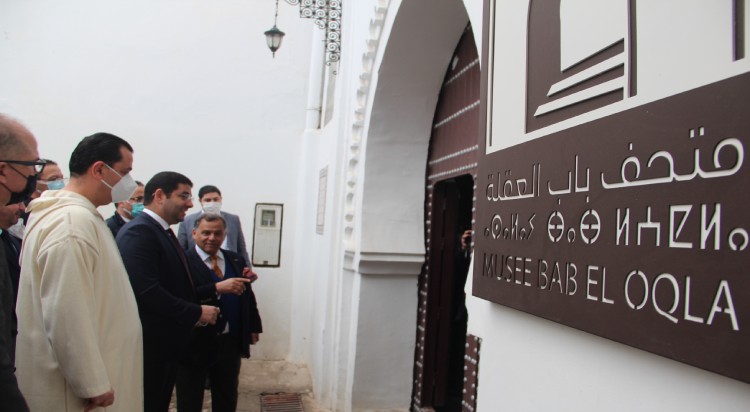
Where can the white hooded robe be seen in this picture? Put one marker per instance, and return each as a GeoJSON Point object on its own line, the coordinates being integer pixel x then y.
{"type": "Point", "coordinates": [79, 330]}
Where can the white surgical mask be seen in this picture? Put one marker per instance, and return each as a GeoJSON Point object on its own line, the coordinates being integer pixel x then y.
{"type": "Point", "coordinates": [123, 189]}
{"type": "Point", "coordinates": [212, 207]}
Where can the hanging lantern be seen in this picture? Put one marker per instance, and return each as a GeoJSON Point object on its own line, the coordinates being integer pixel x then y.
{"type": "Point", "coordinates": [273, 39]}
{"type": "Point", "coordinates": [274, 36]}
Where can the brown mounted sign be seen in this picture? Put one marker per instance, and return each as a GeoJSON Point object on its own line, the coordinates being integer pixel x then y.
{"type": "Point", "coordinates": [631, 225]}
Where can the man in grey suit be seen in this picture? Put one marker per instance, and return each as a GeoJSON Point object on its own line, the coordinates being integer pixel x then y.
{"type": "Point", "coordinates": [210, 198]}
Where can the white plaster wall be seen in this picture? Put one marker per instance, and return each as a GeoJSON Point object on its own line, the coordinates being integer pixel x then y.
{"type": "Point", "coordinates": [327, 290]}
{"type": "Point", "coordinates": [326, 296]}
{"type": "Point", "coordinates": [317, 270]}
{"type": "Point", "coordinates": [190, 84]}
{"type": "Point", "coordinates": [379, 380]}
{"type": "Point", "coordinates": [358, 360]}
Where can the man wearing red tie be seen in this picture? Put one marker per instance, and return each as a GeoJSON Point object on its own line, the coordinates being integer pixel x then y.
{"type": "Point", "coordinates": [222, 278]}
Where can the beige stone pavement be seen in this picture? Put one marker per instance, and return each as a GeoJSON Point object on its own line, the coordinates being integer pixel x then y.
{"type": "Point", "coordinates": [269, 377]}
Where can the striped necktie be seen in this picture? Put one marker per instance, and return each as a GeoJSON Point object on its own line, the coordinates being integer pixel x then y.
{"type": "Point", "coordinates": [215, 266]}
{"type": "Point", "coordinates": [181, 254]}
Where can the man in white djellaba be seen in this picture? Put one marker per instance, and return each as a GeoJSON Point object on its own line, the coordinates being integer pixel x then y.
{"type": "Point", "coordinates": [80, 343]}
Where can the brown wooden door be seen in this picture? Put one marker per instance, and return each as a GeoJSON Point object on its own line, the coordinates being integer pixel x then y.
{"type": "Point", "coordinates": [446, 310]}
{"type": "Point", "coordinates": [451, 171]}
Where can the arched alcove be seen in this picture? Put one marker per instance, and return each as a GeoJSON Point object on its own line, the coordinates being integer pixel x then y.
{"type": "Point", "coordinates": [421, 42]}
{"type": "Point", "coordinates": [388, 242]}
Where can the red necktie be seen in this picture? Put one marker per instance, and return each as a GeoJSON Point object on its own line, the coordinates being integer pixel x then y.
{"type": "Point", "coordinates": [181, 253]}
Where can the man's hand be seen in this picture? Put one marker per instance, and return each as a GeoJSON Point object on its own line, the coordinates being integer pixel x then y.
{"type": "Point", "coordinates": [208, 315]}
{"type": "Point", "coordinates": [103, 400]}
{"type": "Point", "coordinates": [248, 273]}
{"type": "Point", "coordinates": [232, 285]}
{"type": "Point", "coordinates": [466, 240]}
{"type": "Point", "coordinates": [254, 338]}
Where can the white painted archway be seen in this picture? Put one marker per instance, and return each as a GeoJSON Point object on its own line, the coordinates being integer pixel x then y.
{"type": "Point", "coordinates": [387, 246]}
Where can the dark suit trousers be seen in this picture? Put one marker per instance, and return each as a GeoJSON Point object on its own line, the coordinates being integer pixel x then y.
{"type": "Point", "coordinates": [158, 382]}
{"type": "Point", "coordinates": [224, 374]}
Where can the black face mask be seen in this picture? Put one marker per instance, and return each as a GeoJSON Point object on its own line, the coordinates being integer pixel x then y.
{"type": "Point", "coordinates": [25, 194]}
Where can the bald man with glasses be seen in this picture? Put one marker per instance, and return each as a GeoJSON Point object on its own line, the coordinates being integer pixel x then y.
{"type": "Point", "coordinates": [18, 173]}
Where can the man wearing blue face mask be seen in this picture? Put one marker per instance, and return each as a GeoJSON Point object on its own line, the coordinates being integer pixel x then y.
{"type": "Point", "coordinates": [126, 210]}
{"type": "Point", "coordinates": [50, 178]}
{"type": "Point", "coordinates": [80, 343]}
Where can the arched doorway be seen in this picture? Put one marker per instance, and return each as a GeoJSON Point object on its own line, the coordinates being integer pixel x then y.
{"type": "Point", "coordinates": [449, 200]}
{"type": "Point", "coordinates": [385, 221]}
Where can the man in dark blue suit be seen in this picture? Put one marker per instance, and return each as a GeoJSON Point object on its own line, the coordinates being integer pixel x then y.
{"type": "Point", "coordinates": [159, 273]}
{"type": "Point", "coordinates": [216, 351]}
{"type": "Point", "coordinates": [9, 216]}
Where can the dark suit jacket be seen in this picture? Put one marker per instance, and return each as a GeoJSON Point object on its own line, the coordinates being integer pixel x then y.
{"type": "Point", "coordinates": [12, 246]}
{"type": "Point", "coordinates": [10, 395]}
{"type": "Point", "coordinates": [167, 302]}
{"type": "Point", "coordinates": [12, 253]}
{"type": "Point", "coordinates": [115, 223]}
{"type": "Point", "coordinates": [203, 347]}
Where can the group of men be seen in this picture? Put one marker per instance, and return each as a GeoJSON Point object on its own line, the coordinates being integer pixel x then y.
{"type": "Point", "coordinates": [114, 314]}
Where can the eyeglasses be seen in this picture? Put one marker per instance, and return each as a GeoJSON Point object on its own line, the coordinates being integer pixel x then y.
{"type": "Point", "coordinates": [46, 182]}
{"type": "Point", "coordinates": [137, 199]}
{"type": "Point", "coordinates": [185, 196]}
{"type": "Point", "coordinates": [38, 164]}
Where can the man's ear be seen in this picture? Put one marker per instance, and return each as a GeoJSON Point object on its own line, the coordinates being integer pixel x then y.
{"type": "Point", "coordinates": [96, 170]}
{"type": "Point", "coordinates": [158, 195]}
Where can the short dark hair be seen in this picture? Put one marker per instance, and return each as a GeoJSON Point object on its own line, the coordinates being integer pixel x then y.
{"type": "Point", "coordinates": [209, 217]}
{"type": "Point", "coordinates": [103, 147]}
{"type": "Point", "coordinates": [208, 189]}
{"type": "Point", "coordinates": [49, 162]}
{"type": "Point", "coordinates": [167, 182]}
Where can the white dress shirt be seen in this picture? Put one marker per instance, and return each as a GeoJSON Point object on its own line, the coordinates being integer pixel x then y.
{"type": "Point", "coordinates": [206, 258]}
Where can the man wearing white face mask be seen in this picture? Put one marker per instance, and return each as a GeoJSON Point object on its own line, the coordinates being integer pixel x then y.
{"type": "Point", "coordinates": [80, 342]}
{"type": "Point", "coordinates": [210, 198]}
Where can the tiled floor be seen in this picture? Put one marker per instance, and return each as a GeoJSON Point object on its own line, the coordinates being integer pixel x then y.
{"type": "Point", "coordinates": [264, 377]}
